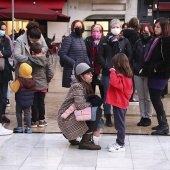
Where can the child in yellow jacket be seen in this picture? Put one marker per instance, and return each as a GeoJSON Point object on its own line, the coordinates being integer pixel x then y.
{"type": "Point", "coordinates": [23, 87]}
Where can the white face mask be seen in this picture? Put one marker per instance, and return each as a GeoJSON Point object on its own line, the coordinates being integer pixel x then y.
{"type": "Point", "coordinates": [2, 33]}
{"type": "Point", "coordinates": [115, 31]}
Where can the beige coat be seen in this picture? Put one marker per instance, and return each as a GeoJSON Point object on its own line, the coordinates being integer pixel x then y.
{"type": "Point", "coordinates": [22, 50]}
{"type": "Point", "coordinates": [70, 127]}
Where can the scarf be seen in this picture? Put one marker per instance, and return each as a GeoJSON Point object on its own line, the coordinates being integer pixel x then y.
{"type": "Point", "coordinates": [152, 46]}
{"type": "Point", "coordinates": [94, 63]}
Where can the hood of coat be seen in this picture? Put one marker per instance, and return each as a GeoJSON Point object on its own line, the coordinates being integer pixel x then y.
{"type": "Point", "coordinates": [132, 35]}
{"type": "Point", "coordinates": [127, 83]}
{"type": "Point", "coordinates": [28, 83]}
{"type": "Point", "coordinates": [39, 60]}
{"type": "Point", "coordinates": [25, 70]}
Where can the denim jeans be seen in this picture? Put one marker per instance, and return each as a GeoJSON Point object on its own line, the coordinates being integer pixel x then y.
{"type": "Point", "coordinates": [105, 82]}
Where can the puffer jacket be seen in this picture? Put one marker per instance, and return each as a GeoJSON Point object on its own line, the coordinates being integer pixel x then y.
{"type": "Point", "coordinates": [107, 51]}
{"type": "Point", "coordinates": [25, 95]}
{"type": "Point", "coordinates": [72, 52]}
{"type": "Point", "coordinates": [24, 86]}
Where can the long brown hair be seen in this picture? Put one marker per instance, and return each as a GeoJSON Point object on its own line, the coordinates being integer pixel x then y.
{"type": "Point", "coordinates": [121, 65]}
{"type": "Point", "coordinates": [86, 85]}
{"type": "Point", "coordinates": [165, 26]}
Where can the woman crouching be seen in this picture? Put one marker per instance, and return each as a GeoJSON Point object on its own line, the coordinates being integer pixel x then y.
{"type": "Point", "coordinates": [80, 95]}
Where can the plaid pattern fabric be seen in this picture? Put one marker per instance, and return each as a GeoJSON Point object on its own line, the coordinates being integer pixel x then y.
{"type": "Point", "coordinates": [70, 127]}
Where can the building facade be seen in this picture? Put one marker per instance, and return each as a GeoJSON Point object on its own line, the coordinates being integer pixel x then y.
{"type": "Point", "coordinates": [93, 11]}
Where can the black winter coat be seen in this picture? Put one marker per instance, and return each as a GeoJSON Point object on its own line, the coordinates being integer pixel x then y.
{"type": "Point", "coordinates": [159, 60]}
{"type": "Point", "coordinates": [72, 52]}
{"type": "Point", "coordinates": [5, 49]}
{"type": "Point", "coordinates": [132, 35]}
{"type": "Point", "coordinates": [138, 56]}
{"type": "Point", "coordinates": [107, 51]}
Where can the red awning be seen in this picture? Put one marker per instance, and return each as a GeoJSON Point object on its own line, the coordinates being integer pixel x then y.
{"type": "Point", "coordinates": [56, 5]}
{"type": "Point", "coordinates": [33, 11]}
{"type": "Point", "coordinates": [164, 6]}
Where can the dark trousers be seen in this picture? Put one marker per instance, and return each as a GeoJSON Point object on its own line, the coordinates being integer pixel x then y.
{"type": "Point", "coordinates": [120, 125]}
{"type": "Point", "coordinates": [3, 99]}
{"type": "Point", "coordinates": [38, 106]}
{"type": "Point", "coordinates": [131, 98]}
{"type": "Point", "coordinates": [92, 125]}
{"type": "Point", "coordinates": [105, 82]}
{"type": "Point", "coordinates": [96, 82]}
{"type": "Point", "coordinates": [27, 115]}
{"type": "Point", "coordinates": [155, 96]}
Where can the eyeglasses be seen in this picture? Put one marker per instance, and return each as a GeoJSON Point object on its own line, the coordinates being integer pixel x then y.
{"type": "Point", "coordinates": [3, 29]}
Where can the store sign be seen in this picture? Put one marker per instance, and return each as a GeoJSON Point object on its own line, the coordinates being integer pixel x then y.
{"type": "Point", "coordinates": [149, 12]}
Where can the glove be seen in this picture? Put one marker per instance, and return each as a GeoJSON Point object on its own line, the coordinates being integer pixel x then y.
{"type": "Point", "coordinates": [95, 100]}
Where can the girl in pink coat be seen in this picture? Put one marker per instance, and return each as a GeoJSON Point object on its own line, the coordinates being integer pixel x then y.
{"type": "Point", "coordinates": [121, 86]}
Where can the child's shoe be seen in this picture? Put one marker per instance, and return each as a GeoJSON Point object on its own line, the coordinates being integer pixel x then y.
{"type": "Point", "coordinates": [34, 124]}
{"type": "Point", "coordinates": [18, 130]}
{"type": "Point", "coordinates": [28, 130]}
{"type": "Point", "coordinates": [115, 147]}
{"type": "Point", "coordinates": [42, 123]}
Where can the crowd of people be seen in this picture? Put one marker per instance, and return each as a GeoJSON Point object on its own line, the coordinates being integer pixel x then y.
{"type": "Point", "coordinates": [33, 73]}
{"type": "Point", "coordinates": [130, 57]}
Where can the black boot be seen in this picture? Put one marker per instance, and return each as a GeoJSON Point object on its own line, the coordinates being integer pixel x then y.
{"type": "Point", "coordinates": [108, 120]}
{"type": "Point", "coordinates": [147, 122]}
{"type": "Point", "coordinates": [74, 142]}
{"type": "Point", "coordinates": [86, 143]}
{"type": "Point", "coordinates": [155, 127]}
{"type": "Point", "coordinates": [141, 122]}
{"type": "Point", "coordinates": [163, 126]}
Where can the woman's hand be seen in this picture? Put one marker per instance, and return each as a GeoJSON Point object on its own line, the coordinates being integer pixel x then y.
{"type": "Point", "coordinates": [1, 55]}
{"type": "Point", "coordinates": [10, 82]}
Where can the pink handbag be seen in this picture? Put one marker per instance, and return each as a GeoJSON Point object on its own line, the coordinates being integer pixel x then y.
{"type": "Point", "coordinates": [83, 115]}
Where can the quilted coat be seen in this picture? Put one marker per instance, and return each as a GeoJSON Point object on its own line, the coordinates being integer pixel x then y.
{"type": "Point", "coordinates": [72, 52]}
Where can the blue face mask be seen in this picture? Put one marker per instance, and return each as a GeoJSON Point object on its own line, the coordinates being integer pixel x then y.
{"type": "Point", "coordinates": [2, 33]}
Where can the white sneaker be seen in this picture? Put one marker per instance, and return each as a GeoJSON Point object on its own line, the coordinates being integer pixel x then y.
{"type": "Point", "coordinates": [110, 145]}
{"type": "Point", "coordinates": [4, 131]}
{"type": "Point", "coordinates": [116, 148]}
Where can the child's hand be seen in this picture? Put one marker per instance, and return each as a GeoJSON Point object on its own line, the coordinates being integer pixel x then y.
{"type": "Point", "coordinates": [111, 69]}
{"type": "Point", "coordinates": [10, 82]}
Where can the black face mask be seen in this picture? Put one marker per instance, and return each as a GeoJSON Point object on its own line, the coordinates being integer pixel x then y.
{"type": "Point", "coordinates": [145, 36]}
{"type": "Point", "coordinates": [78, 31]}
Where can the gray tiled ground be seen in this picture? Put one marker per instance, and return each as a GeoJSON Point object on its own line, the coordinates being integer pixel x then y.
{"type": "Point", "coordinates": [53, 152]}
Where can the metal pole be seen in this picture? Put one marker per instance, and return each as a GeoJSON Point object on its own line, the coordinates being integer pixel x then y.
{"type": "Point", "coordinates": [157, 10]}
{"type": "Point", "coordinates": [13, 21]}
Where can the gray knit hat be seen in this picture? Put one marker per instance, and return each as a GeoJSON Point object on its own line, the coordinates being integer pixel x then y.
{"type": "Point", "coordinates": [83, 68]}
